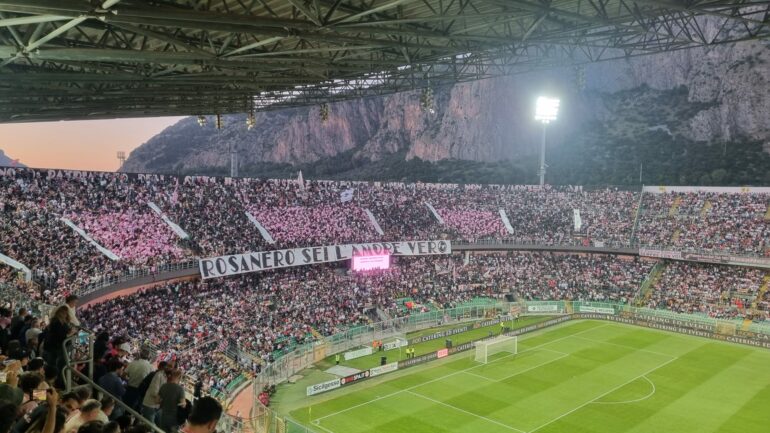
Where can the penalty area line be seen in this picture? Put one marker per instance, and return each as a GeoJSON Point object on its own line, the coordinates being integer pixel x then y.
{"type": "Point", "coordinates": [459, 372]}
{"type": "Point", "coordinates": [634, 400]}
{"type": "Point", "coordinates": [603, 394]}
{"type": "Point", "coordinates": [489, 420]}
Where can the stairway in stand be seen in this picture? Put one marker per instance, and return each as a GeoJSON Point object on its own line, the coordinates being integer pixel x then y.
{"type": "Point", "coordinates": [706, 208]}
{"type": "Point", "coordinates": [317, 335]}
{"type": "Point", "coordinates": [645, 290]}
{"type": "Point", "coordinates": [674, 209]}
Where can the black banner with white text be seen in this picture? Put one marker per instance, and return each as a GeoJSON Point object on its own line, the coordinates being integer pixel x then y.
{"type": "Point", "coordinates": [265, 260]}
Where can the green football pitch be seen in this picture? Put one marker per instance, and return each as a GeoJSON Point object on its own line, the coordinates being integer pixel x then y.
{"type": "Point", "coordinates": [584, 376]}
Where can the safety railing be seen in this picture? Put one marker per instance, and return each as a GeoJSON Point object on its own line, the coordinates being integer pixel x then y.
{"type": "Point", "coordinates": [530, 242]}
{"type": "Point", "coordinates": [78, 351]}
{"type": "Point", "coordinates": [17, 297]}
{"type": "Point", "coordinates": [100, 282]}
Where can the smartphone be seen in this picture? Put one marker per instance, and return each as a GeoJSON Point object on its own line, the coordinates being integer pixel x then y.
{"type": "Point", "coordinates": [39, 394]}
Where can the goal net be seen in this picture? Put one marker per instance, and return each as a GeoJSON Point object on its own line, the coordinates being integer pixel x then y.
{"type": "Point", "coordinates": [487, 348]}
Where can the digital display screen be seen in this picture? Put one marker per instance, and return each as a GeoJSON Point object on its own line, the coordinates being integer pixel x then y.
{"type": "Point", "coordinates": [368, 263]}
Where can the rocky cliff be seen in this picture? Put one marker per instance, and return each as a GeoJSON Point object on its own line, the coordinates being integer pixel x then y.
{"type": "Point", "coordinates": [718, 98]}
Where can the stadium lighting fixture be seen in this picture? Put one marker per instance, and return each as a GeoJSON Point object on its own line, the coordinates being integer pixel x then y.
{"type": "Point", "coordinates": [546, 111]}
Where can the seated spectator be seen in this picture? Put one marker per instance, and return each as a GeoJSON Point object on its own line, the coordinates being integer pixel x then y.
{"type": "Point", "coordinates": [89, 411]}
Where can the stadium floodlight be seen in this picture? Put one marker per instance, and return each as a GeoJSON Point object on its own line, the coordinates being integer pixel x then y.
{"type": "Point", "coordinates": [546, 111]}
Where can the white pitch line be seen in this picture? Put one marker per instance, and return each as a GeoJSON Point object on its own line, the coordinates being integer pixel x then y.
{"type": "Point", "coordinates": [318, 424]}
{"type": "Point", "coordinates": [635, 400]}
{"type": "Point", "coordinates": [454, 374]}
{"type": "Point", "coordinates": [563, 355]}
{"type": "Point", "coordinates": [627, 347]}
{"type": "Point", "coordinates": [479, 376]}
{"type": "Point", "coordinates": [466, 412]}
{"type": "Point", "coordinates": [532, 368]}
{"type": "Point", "coordinates": [602, 395]}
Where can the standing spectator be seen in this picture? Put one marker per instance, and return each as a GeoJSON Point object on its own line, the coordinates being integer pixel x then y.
{"type": "Point", "coordinates": [172, 396]}
{"type": "Point", "coordinates": [59, 330]}
{"type": "Point", "coordinates": [17, 322]}
{"type": "Point", "coordinates": [5, 328]}
{"type": "Point", "coordinates": [151, 400]}
{"type": "Point", "coordinates": [101, 345]}
{"type": "Point", "coordinates": [70, 302]}
{"type": "Point", "coordinates": [136, 371]}
{"type": "Point", "coordinates": [113, 383]}
{"type": "Point", "coordinates": [204, 416]}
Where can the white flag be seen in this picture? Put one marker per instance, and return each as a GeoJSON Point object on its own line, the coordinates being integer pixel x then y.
{"type": "Point", "coordinates": [346, 195]}
{"type": "Point", "coordinates": [300, 181]}
{"type": "Point", "coordinates": [577, 220]}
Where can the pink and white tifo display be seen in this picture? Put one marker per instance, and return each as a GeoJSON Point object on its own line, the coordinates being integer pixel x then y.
{"type": "Point", "coordinates": [368, 263]}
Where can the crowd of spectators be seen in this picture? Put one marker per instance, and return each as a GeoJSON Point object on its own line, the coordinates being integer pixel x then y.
{"type": "Point", "coordinates": [723, 292]}
{"type": "Point", "coordinates": [270, 313]}
{"type": "Point", "coordinates": [114, 209]}
{"type": "Point", "coordinates": [707, 221]}
{"type": "Point", "coordinates": [32, 400]}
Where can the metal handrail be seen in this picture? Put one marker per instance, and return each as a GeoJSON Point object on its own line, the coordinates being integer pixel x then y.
{"type": "Point", "coordinates": [100, 282]}
{"type": "Point", "coordinates": [69, 369]}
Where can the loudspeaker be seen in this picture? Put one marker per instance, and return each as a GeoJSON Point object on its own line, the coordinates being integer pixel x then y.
{"type": "Point", "coordinates": [383, 360]}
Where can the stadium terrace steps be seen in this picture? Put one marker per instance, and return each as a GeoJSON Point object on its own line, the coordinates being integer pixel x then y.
{"type": "Point", "coordinates": [674, 209]}
{"type": "Point", "coordinates": [746, 324]}
{"type": "Point", "coordinates": [706, 208]}
{"type": "Point", "coordinates": [675, 236]}
{"type": "Point", "coordinates": [317, 335]}
{"type": "Point", "coordinates": [767, 214]}
{"type": "Point", "coordinates": [645, 290]}
{"type": "Point", "coordinates": [762, 290]}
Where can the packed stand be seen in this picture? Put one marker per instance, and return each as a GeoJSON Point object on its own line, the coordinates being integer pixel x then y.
{"type": "Point", "coordinates": [722, 292]}
{"type": "Point", "coordinates": [472, 224]}
{"type": "Point", "coordinates": [707, 221]}
{"type": "Point", "coordinates": [138, 237]}
{"type": "Point", "coordinates": [32, 233]}
{"type": "Point", "coordinates": [317, 225]}
{"type": "Point", "coordinates": [270, 313]}
{"type": "Point", "coordinates": [114, 209]}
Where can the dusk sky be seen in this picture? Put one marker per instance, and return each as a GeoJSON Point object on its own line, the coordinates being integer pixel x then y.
{"type": "Point", "coordinates": [78, 145]}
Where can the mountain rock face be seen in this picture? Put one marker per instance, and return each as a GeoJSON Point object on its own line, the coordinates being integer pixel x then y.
{"type": "Point", "coordinates": [721, 95]}
{"type": "Point", "coordinates": [6, 161]}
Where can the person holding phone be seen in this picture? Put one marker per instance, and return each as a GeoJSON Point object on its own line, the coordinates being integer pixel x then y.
{"type": "Point", "coordinates": [30, 384]}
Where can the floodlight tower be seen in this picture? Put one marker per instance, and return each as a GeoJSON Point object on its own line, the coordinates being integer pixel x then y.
{"type": "Point", "coordinates": [121, 158]}
{"type": "Point", "coordinates": [546, 110]}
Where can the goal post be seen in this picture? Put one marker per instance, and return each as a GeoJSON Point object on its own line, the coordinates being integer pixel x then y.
{"type": "Point", "coordinates": [487, 348]}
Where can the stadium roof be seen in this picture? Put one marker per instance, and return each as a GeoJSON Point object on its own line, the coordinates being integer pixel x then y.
{"type": "Point", "coordinates": [79, 59]}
